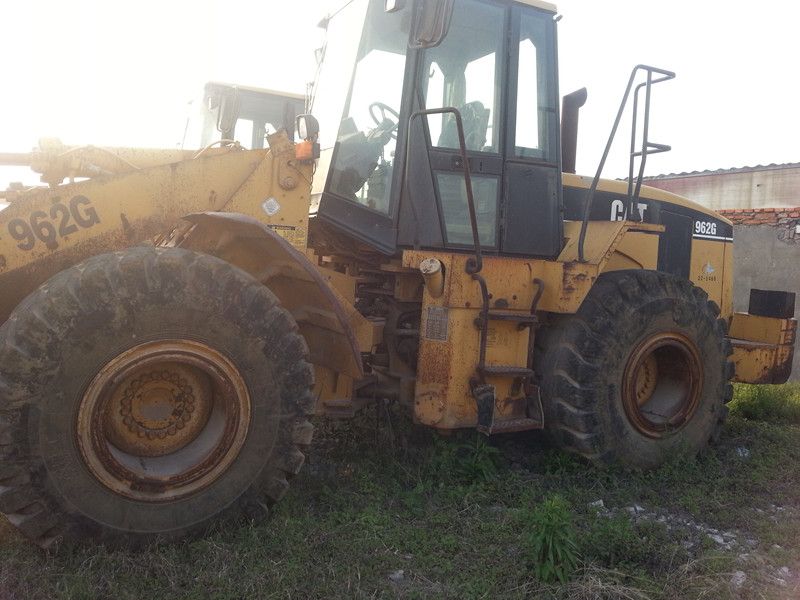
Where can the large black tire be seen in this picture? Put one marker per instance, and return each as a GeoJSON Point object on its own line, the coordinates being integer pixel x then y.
{"type": "Point", "coordinates": [57, 481]}
{"type": "Point", "coordinates": [640, 374]}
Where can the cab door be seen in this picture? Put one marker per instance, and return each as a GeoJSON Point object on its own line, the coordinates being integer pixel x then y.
{"type": "Point", "coordinates": [466, 71]}
{"type": "Point", "coordinates": [496, 66]}
{"type": "Point", "coordinates": [532, 222]}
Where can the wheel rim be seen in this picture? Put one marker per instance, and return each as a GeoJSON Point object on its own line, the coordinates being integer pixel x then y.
{"type": "Point", "coordinates": [163, 420]}
{"type": "Point", "coordinates": [662, 382]}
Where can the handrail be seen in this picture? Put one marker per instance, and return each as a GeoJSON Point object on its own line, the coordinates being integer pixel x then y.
{"type": "Point", "coordinates": [647, 146]}
{"type": "Point", "coordinates": [474, 264]}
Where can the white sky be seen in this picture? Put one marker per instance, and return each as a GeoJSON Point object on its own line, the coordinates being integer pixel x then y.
{"type": "Point", "coordinates": [120, 72]}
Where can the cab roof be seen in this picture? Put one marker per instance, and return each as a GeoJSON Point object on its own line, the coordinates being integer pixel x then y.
{"type": "Point", "coordinates": [539, 4]}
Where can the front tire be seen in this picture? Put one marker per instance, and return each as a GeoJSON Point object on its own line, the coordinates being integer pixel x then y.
{"type": "Point", "coordinates": [144, 394]}
{"type": "Point", "coordinates": [640, 374]}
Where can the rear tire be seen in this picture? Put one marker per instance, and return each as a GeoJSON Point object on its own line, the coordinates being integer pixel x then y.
{"type": "Point", "coordinates": [640, 374]}
{"type": "Point", "coordinates": [144, 394]}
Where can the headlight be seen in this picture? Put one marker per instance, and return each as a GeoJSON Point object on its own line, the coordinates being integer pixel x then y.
{"type": "Point", "coordinates": [307, 127]}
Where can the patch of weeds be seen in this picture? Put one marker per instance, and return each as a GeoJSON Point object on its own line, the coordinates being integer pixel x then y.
{"type": "Point", "coordinates": [415, 499]}
{"type": "Point", "coordinates": [612, 541]}
{"type": "Point", "coordinates": [559, 463]}
{"type": "Point", "coordinates": [615, 542]}
{"type": "Point", "coordinates": [463, 522]}
{"type": "Point", "coordinates": [471, 461]}
{"type": "Point", "coordinates": [770, 403]}
{"type": "Point", "coordinates": [551, 543]}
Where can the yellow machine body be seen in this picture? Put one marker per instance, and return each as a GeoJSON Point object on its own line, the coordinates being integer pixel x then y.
{"type": "Point", "coordinates": [143, 195]}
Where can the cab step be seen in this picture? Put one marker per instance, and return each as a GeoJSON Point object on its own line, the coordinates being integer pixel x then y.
{"type": "Point", "coordinates": [484, 394]}
{"type": "Point", "coordinates": [505, 371]}
{"type": "Point", "coordinates": [342, 408]}
{"type": "Point", "coordinates": [511, 426]}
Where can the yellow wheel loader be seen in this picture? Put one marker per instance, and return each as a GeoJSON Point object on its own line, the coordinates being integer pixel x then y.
{"type": "Point", "coordinates": [171, 319]}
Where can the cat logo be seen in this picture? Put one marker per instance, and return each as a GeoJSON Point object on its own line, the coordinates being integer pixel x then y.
{"type": "Point", "coordinates": [619, 210]}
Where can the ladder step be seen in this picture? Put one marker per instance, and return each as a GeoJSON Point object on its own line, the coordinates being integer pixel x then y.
{"type": "Point", "coordinates": [515, 317]}
{"type": "Point", "coordinates": [506, 371]}
{"type": "Point", "coordinates": [342, 408]}
{"type": "Point", "coordinates": [512, 426]}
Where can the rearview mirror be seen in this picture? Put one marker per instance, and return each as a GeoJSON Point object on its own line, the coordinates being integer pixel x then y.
{"type": "Point", "coordinates": [394, 5]}
{"type": "Point", "coordinates": [227, 111]}
{"type": "Point", "coordinates": [431, 22]}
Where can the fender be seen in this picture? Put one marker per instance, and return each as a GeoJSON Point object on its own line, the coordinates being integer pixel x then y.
{"type": "Point", "coordinates": [326, 321]}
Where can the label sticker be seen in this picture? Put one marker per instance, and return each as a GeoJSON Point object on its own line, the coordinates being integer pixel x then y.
{"type": "Point", "coordinates": [436, 324]}
{"type": "Point", "coordinates": [296, 236]}
{"type": "Point", "coordinates": [271, 207]}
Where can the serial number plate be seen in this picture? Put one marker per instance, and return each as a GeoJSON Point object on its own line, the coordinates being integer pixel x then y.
{"type": "Point", "coordinates": [436, 324]}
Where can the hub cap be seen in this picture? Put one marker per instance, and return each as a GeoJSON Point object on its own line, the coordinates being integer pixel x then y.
{"type": "Point", "coordinates": [163, 419]}
{"type": "Point", "coordinates": [662, 383]}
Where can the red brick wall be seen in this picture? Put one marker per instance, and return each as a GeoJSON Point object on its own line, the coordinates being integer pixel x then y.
{"type": "Point", "coordinates": [785, 220]}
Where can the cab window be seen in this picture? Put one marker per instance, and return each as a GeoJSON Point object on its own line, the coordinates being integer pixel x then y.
{"type": "Point", "coordinates": [364, 158]}
{"type": "Point", "coordinates": [464, 72]}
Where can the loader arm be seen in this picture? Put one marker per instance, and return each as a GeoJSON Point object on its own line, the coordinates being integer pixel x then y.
{"type": "Point", "coordinates": [46, 230]}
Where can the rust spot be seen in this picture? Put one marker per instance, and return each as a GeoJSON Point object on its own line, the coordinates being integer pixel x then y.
{"type": "Point", "coordinates": [775, 368]}
{"type": "Point", "coordinates": [512, 407]}
{"type": "Point", "coordinates": [212, 198]}
{"type": "Point", "coordinates": [434, 362]}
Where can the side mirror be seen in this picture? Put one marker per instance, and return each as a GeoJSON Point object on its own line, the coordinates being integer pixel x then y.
{"type": "Point", "coordinates": [228, 111]}
{"type": "Point", "coordinates": [431, 22]}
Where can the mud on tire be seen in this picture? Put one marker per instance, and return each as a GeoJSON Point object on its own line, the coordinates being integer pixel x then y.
{"type": "Point", "coordinates": [639, 374]}
{"type": "Point", "coordinates": [58, 342]}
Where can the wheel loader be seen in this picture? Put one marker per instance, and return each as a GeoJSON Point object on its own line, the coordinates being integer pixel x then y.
{"type": "Point", "coordinates": [171, 319]}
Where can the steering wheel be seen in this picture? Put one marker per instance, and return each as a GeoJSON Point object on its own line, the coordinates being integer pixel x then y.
{"type": "Point", "coordinates": [384, 114]}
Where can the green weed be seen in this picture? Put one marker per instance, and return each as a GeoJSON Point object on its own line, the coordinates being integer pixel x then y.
{"type": "Point", "coordinates": [471, 461]}
{"type": "Point", "coordinates": [551, 542]}
{"type": "Point", "coordinates": [557, 462]}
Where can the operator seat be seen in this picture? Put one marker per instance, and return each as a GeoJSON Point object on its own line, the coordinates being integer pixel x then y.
{"type": "Point", "coordinates": [475, 118]}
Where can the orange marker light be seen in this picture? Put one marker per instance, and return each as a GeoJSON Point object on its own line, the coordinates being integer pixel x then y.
{"type": "Point", "coordinates": [306, 150]}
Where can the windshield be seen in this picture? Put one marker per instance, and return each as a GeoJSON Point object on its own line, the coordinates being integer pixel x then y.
{"type": "Point", "coordinates": [359, 96]}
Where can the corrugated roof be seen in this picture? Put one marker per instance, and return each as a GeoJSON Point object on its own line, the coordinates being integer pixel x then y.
{"type": "Point", "coordinates": [770, 167]}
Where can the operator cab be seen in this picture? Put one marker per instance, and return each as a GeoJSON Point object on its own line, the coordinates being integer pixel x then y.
{"type": "Point", "coordinates": [397, 182]}
{"type": "Point", "coordinates": [241, 113]}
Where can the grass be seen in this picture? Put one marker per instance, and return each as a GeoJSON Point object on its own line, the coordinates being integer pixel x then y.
{"type": "Point", "coordinates": [399, 512]}
{"type": "Point", "coordinates": [772, 403]}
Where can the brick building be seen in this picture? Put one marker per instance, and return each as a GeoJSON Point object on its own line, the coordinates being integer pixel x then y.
{"type": "Point", "coordinates": [764, 205]}
{"type": "Point", "coordinates": [763, 186]}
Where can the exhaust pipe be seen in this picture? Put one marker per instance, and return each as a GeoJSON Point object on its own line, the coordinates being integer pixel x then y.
{"type": "Point", "coordinates": [570, 107]}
